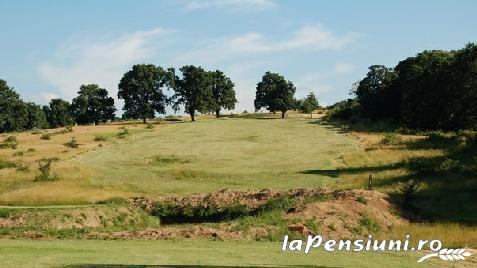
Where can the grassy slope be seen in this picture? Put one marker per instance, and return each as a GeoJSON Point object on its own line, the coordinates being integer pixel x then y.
{"type": "Point", "coordinates": [213, 154]}
{"type": "Point", "coordinates": [186, 252]}
{"type": "Point", "coordinates": [184, 158]}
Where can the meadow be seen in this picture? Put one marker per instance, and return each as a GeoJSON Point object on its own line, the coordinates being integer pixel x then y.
{"type": "Point", "coordinates": [85, 192]}
{"type": "Point", "coordinates": [179, 158]}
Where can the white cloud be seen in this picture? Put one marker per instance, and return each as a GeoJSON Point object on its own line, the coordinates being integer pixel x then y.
{"type": "Point", "coordinates": [343, 67]}
{"type": "Point", "coordinates": [102, 62]}
{"type": "Point", "coordinates": [309, 38]}
{"type": "Point", "coordinates": [232, 4]}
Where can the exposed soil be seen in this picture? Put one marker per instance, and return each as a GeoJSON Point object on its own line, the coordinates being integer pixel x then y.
{"type": "Point", "coordinates": [338, 215]}
{"type": "Point", "coordinates": [340, 218]}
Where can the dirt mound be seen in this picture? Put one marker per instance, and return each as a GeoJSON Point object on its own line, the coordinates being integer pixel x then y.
{"type": "Point", "coordinates": [228, 197]}
{"type": "Point", "coordinates": [351, 214]}
{"type": "Point", "coordinates": [85, 217]}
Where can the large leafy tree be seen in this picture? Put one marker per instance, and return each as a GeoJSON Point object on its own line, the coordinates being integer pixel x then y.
{"type": "Point", "coordinates": [93, 105]}
{"type": "Point", "coordinates": [13, 112]}
{"type": "Point", "coordinates": [223, 92]}
{"type": "Point", "coordinates": [142, 89]}
{"type": "Point", "coordinates": [58, 113]}
{"type": "Point", "coordinates": [375, 94]}
{"type": "Point", "coordinates": [194, 91]}
{"type": "Point", "coordinates": [275, 94]}
{"type": "Point", "coordinates": [36, 117]}
{"type": "Point", "coordinates": [309, 104]}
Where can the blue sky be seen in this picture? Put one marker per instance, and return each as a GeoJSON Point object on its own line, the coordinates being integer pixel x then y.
{"type": "Point", "coordinates": [49, 48]}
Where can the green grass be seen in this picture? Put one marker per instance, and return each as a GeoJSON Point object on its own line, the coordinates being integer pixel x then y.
{"type": "Point", "coordinates": [199, 253]}
{"type": "Point", "coordinates": [209, 155]}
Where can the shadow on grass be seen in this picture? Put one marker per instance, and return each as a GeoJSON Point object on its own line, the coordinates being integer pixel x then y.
{"type": "Point", "coordinates": [183, 266]}
{"type": "Point", "coordinates": [449, 182]}
{"type": "Point", "coordinates": [336, 173]}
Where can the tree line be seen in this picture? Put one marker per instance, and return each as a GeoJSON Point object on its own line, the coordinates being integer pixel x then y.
{"type": "Point", "coordinates": [147, 90]}
{"type": "Point", "coordinates": [435, 89]}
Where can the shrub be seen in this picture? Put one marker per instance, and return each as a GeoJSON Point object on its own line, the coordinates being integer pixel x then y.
{"type": "Point", "coordinates": [44, 166]}
{"type": "Point", "coordinates": [100, 138]}
{"type": "Point", "coordinates": [45, 136]}
{"type": "Point", "coordinates": [22, 166]}
{"type": "Point", "coordinates": [123, 134]}
{"type": "Point", "coordinates": [19, 153]}
{"type": "Point", "coordinates": [448, 165]}
{"type": "Point", "coordinates": [149, 126]}
{"type": "Point", "coordinates": [408, 190]}
{"type": "Point", "coordinates": [362, 200]}
{"type": "Point", "coordinates": [391, 138]}
{"type": "Point", "coordinates": [31, 150]}
{"type": "Point", "coordinates": [9, 142]}
{"type": "Point", "coordinates": [73, 143]}
{"type": "Point", "coordinates": [369, 224]}
{"type": "Point", "coordinates": [6, 164]}
{"type": "Point", "coordinates": [277, 203]}
{"type": "Point", "coordinates": [171, 213]}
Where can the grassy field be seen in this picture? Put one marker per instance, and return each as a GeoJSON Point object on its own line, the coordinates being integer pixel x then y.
{"type": "Point", "coordinates": [198, 253]}
{"type": "Point", "coordinates": [125, 159]}
{"type": "Point", "coordinates": [183, 158]}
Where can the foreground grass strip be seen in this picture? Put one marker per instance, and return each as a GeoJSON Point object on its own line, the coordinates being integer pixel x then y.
{"type": "Point", "coordinates": [199, 253]}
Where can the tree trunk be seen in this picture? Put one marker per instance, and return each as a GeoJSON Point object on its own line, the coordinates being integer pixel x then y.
{"type": "Point", "coordinates": [217, 113]}
{"type": "Point", "coordinates": [283, 114]}
{"type": "Point", "coordinates": [144, 120]}
{"type": "Point", "coordinates": [311, 114]}
{"type": "Point", "coordinates": [192, 116]}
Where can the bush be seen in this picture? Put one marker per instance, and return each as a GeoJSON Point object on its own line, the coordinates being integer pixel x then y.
{"type": "Point", "coordinates": [73, 143]}
{"type": "Point", "coordinates": [448, 165]}
{"type": "Point", "coordinates": [6, 164]}
{"type": "Point", "coordinates": [369, 224]}
{"type": "Point", "coordinates": [149, 126]}
{"type": "Point", "coordinates": [408, 190]}
{"type": "Point", "coordinates": [172, 213]}
{"type": "Point", "coordinates": [100, 138]}
{"type": "Point", "coordinates": [277, 203]}
{"type": "Point", "coordinates": [123, 134]}
{"type": "Point", "coordinates": [391, 138]}
{"type": "Point", "coordinates": [45, 136]}
{"type": "Point", "coordinates": [9, 142]}
{"type": "Point", "coordinates": [44, 166]}
{"type": "Point", "coordinates": [362, 200]}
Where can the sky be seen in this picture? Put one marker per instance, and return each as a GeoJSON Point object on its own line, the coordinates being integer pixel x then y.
{"type": "Point", "coordinates": [49, 48]}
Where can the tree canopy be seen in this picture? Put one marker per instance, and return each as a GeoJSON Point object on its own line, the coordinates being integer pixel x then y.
{"type": "Point", "coordinates": [92, 105]}
{"type": "Point", "coordinates": [142, 89]}
{"type": "Point", "coordinates": [309, 104]}
{"type": "Point", "coordinates": [223, 92]}
{"type": "Point", "coordinates": [275, 94]}
{"type": "Point", "coordinates": [194, 91]}
{"type": "Point", "coordinates": [58, 113]}
{"type": "Point", "coordinates": [433, 90]}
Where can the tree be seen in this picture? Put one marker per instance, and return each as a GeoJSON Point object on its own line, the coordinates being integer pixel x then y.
{"type": "Point", "coordinates": [275, 94]}
{"type": "Point", "coordinates": [58, 113]}
{"type": "Point", "coordinates": [194, 91]}
{"type": "Point", "coordinates": [309, 104]}
{"type": "Point", "coordinates": [93, 105]}
{"type": "Point", "coordinates": [375, 94]}
{"type": "Point", "coordinates": [36, 117]}
{"type": "Point", "coordinates": [13, 113]}
{"type": "Point", "coordinates": [142, 90]}
{"type": "Point", "coordinates": [223, 92]}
